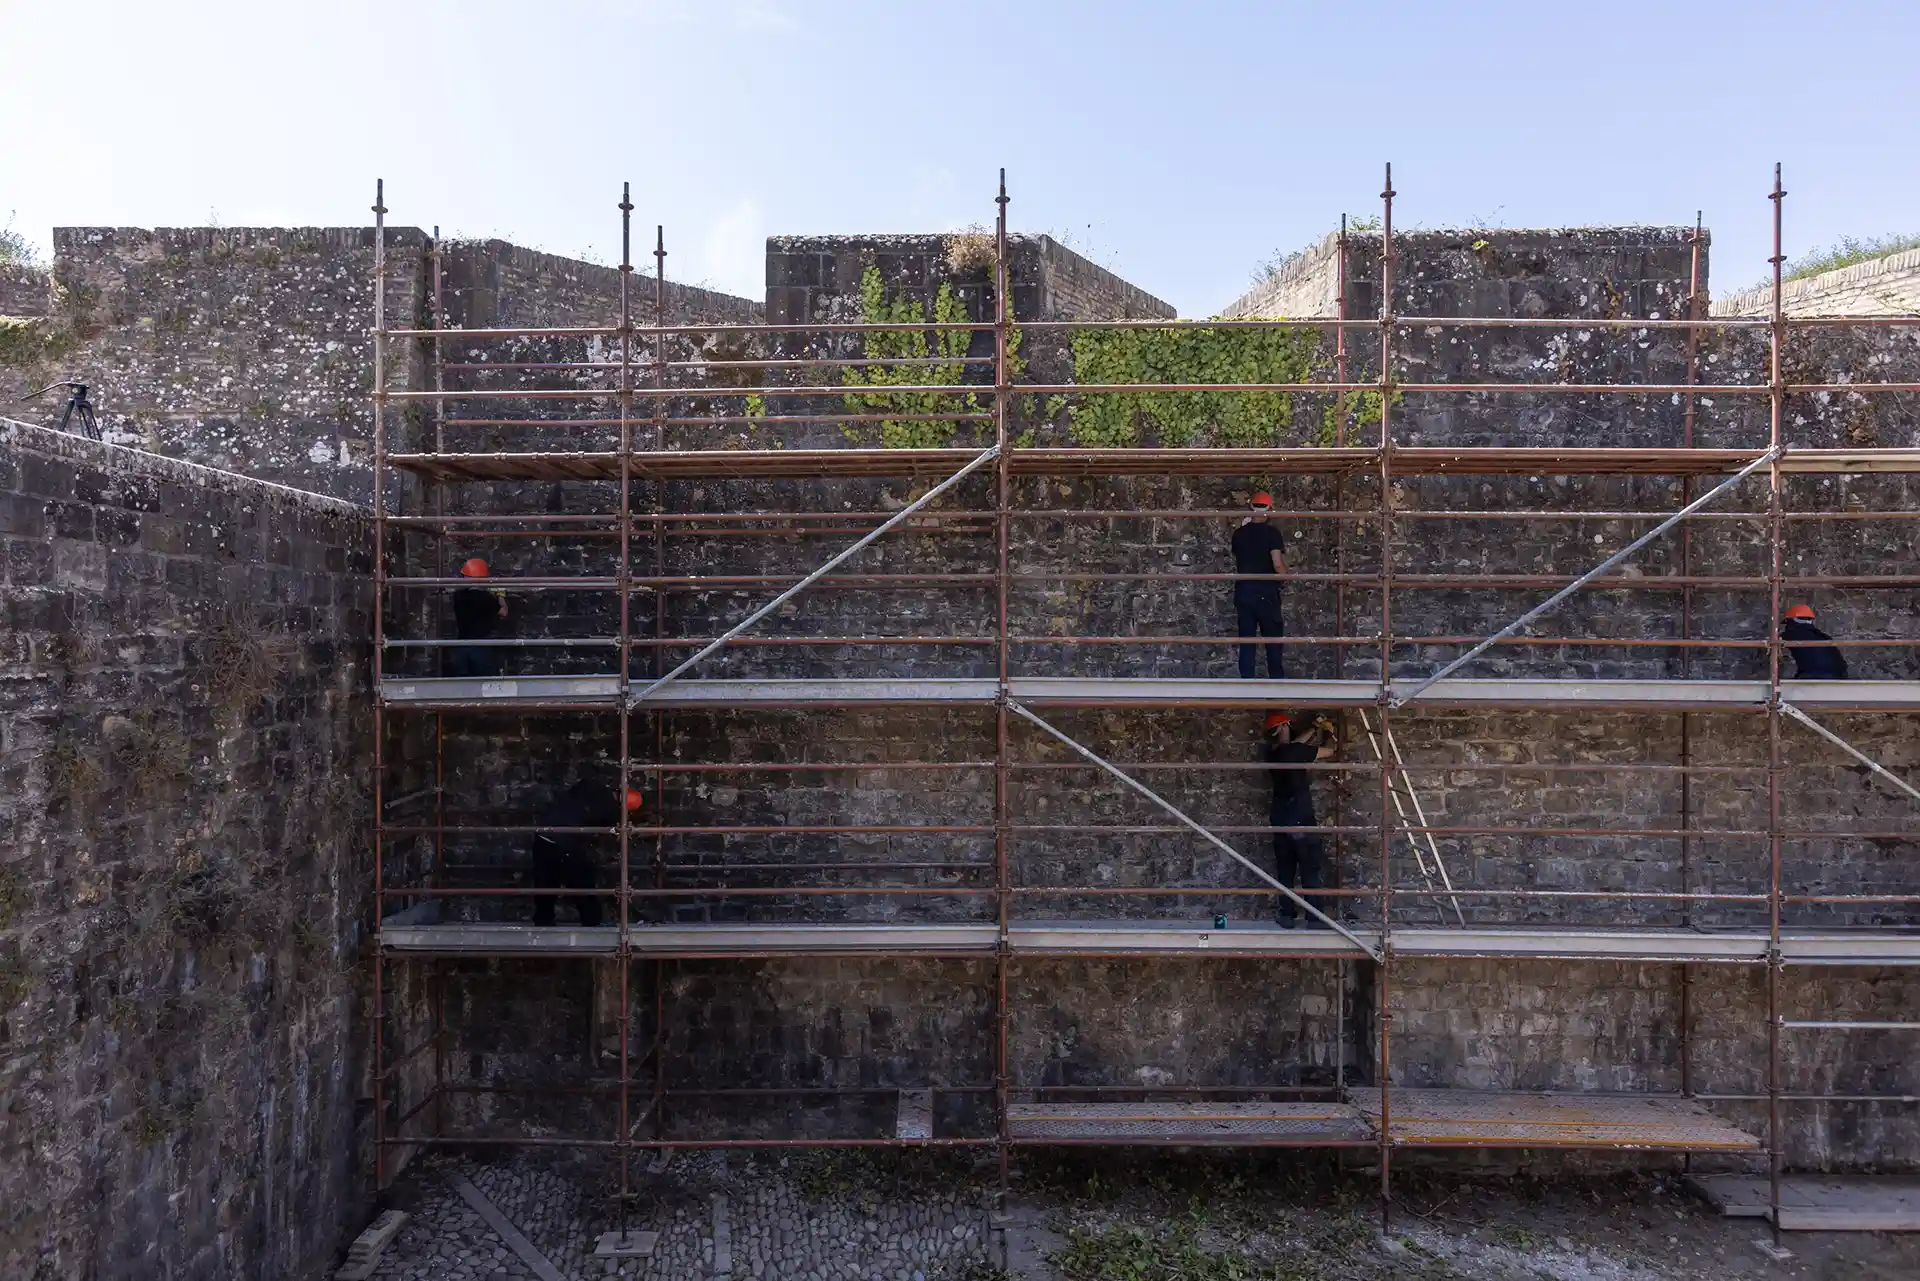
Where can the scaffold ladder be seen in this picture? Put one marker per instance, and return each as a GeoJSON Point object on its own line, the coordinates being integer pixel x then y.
{"type": "Point", "coordinates": [1403, 793]}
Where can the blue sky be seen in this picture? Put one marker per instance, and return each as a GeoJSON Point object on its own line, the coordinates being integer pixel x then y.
{"type": "Point", "coordinates": [1179, 143]}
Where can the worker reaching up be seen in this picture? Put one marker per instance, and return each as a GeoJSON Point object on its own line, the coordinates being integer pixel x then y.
{"type": "Point", "coordinates": [1811, 662]}
{"type": "Point", "coordinates": [477, 612]}
{"type": "Point", "coordinates": [1299, 858]}
{"type": "Point", "coordinates": [1258, 549]}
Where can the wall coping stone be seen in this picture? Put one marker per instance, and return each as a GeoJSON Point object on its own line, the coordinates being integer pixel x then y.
{"type": "Point", "coordinates": [79, 449]}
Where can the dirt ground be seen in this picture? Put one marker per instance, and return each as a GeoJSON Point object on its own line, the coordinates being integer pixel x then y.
{"type": "Point", "coordinates": [1288, 1219]}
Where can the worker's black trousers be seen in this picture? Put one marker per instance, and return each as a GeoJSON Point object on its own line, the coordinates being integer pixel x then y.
{"type": "Point", "coordinates": [565, 873]}
{"type": "Point", "coordinates": [1300, 863]}
{"type": "Point", "coordinates": [474, 660]}
{"type": "Point", "coordinates": [1260, 616]}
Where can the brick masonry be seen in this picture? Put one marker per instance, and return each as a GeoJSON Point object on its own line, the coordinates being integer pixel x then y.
{"type": "Point", "coordinates": [184, 867]}
{"type": "Point", "coordinates": [1888, 286]}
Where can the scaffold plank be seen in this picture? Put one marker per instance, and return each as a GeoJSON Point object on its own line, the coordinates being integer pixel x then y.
{"type": "Point", "coordinates": [1148, 938]}
{"type": "Point", "coordinates": [1555, 943]}
{"type": "Point", "coordinates": [486, 938]}
{"type": "Point", "coordinates": [1812, 1203]}
{"type": "Point", "coordinates": [411, 932]}
{"type": "Point", "coordinates": [731, 693]}
{"type": "Point", "coordinates": [1225, 1124]}
{"type": "Point", "coordinates": [1491, 1118]}
{"type": "Point", "coordinates": [1144, 691]}
{"type": "Point", "coordinates": [1858, 947]}
{"type": "Point", "coordinates": [824, 938]}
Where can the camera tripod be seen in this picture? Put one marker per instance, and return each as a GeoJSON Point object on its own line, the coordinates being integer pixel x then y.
{"type": "Point", "coordinates": [77, 403]}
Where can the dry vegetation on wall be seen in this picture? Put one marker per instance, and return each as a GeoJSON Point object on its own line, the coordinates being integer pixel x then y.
{"type": "Point", "coordinates": [1848, 251]}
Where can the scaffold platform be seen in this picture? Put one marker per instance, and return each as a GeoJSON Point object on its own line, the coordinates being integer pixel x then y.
{"type": "Point", "coordinates": [1489, 1118]}
{"type": "Point", "coordinates": [1121, 938]}
{"type": "Point", "coordinates": [1235, 1124]}
{"type": "Point", "coordinates": [1411, 460]}
{"type": "Point", "coordinates": [547, 692]}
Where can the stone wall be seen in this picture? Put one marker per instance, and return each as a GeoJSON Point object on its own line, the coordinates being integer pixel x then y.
{"type": "Point", "coordinates": [24, 290]}
{"type": "Point", "coordinates": [184, 867]}
{"type": "Point", "coordinates": [1888, 286]}
{"type": "Point", "coordinates": [249, 348]}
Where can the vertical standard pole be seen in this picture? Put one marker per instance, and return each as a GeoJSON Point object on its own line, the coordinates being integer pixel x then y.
{"type": "Point", "coordinates": [624, 1022]}
{"type": "Point", "coordinates": [1343, 784]}
{"type": "Point", "coordinates": [379, 720]}
{"type": "Point", "coordinates": [436, 978]}
{"type": "Point", "coordinates": [1386, 681]}
{"type": "Point", "coordinates": [1696, 312]}
{"type": "Point", "coordinates": [659, 412]}
{"type": "Point", "coordinates": [1001, 396]}
{"type": "Point", "coordinates": [1776, 533]}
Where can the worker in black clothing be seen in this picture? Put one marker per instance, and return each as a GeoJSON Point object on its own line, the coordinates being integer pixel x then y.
{"type": "Point", "coordinates": [1259, 549]}
{"type": "Point", "coordinates": [565, 860]}
{"type": "Point", "coordinates": [1299, 858]}
{"type": "Point", "coordinates": [1811, 662]}
{"type": "Point", "coordinates": [477, 612]}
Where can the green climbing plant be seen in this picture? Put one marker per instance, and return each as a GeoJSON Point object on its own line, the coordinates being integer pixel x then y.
{"type": "Point", "coordinates": [1195, 353]}
{"type": "Point", "coordinates": [908, 344]}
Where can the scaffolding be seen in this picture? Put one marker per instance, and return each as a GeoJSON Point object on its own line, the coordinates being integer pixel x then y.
{"type": "Point", "coordinates": [657, 397]}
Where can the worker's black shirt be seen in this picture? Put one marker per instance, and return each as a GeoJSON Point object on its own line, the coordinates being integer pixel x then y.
{"type": "Point", "coordinates": [1254, 544]}
{"type": "Point", "coordinates": [1812, 662]}
{"type": "Point", "coordinates": [582, 805]}
{"type": "Point", "coordinates": [1292, 787]}
{"type": "Point", "coordinates": [475, 611]}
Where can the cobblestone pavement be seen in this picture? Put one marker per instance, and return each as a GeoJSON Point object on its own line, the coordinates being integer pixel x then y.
{"type": "Point", "coordinates": [810, 1216]}
{"type": "Point", "coordinates": [1110, 1216]}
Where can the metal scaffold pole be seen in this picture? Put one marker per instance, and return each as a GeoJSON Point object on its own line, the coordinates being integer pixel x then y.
{"type": "Point", "coordinates": [659, 410]}
{"type": "Point", "coordinates": [1002, 310]}
{"type": "Point", "coordinates": [437, 979]}
{"type": "Point", "coordinates": [624, 960]}
{"type": "Point", "coordinates": [1776, 532]}
{"type": "Point", "coordinates": [379, 627]}
{"type": "Point", "coordinates": [1343, 792]}
{"type": "Point", "coordinates": [1384, 967]}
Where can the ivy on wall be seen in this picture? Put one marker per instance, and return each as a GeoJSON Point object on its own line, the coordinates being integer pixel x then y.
{"type": "Point", "coordinates": [878, 309]}
{"type": "Point", "coordinates": [1200, 353]}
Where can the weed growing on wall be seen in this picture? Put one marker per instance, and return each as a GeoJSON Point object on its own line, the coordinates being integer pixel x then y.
{"type": "Point", "coordinates": [908, 344]}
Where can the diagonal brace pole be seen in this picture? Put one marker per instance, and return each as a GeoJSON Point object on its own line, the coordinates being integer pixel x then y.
{"type": "Point", "coordinates": [1850, 749]}
{"type": "Point", "coordinates": [982, 459]}
{"type": "Point", "coordinates": [1169, 807]}
{"type": "Point", "coordinates": [1605, 565]}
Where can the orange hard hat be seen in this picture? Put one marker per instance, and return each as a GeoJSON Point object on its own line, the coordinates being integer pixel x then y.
{"type": "Point", "coordinates": [1801, 612]}
{"type": "Point", "coordinates": [1261, 499]}
{"type": "Point", "coordinates": [635, 798]}
{"type": "Point", "coordinates": [1276, 720]}
{"type": "Point", "coordinates": [475, 568]}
